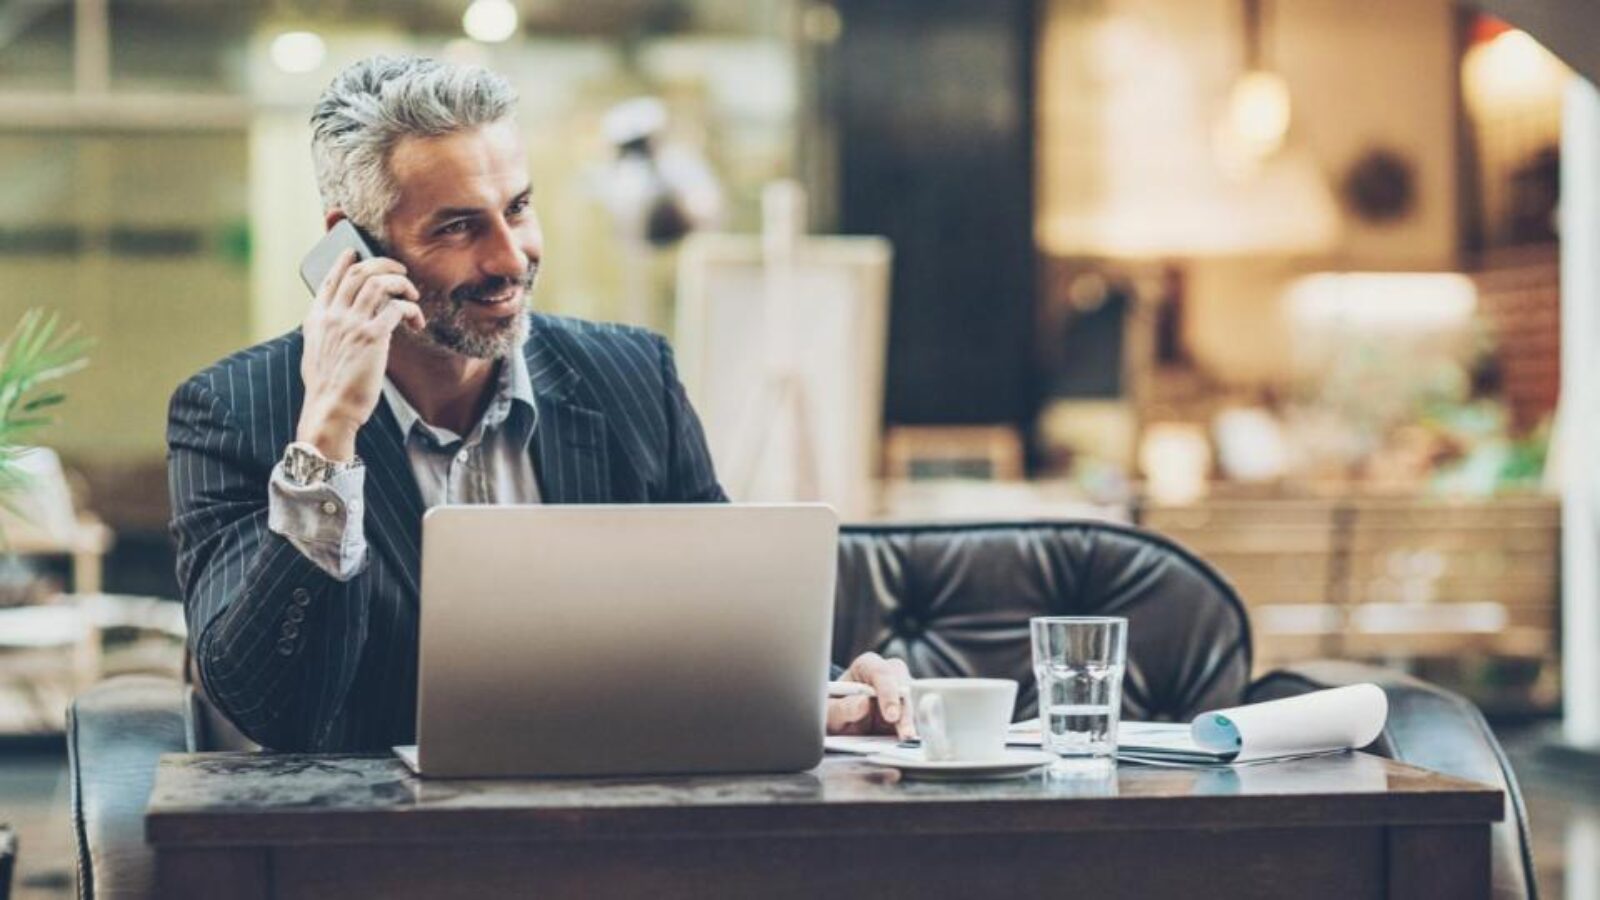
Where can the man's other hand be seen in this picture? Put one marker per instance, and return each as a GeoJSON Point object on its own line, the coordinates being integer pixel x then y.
{"type": "Point", "coordinates": [884, 714]}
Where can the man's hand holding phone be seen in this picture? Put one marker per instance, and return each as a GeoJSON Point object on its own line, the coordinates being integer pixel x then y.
{"type": "Point", "coordinates": [347, 332]}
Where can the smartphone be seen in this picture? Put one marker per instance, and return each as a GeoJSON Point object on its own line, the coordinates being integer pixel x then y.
{"type": "Point", "coordinates": [341, 237]}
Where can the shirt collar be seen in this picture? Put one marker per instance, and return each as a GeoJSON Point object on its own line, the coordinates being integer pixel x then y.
{"type": "Point", "coordinates": [513, 389]}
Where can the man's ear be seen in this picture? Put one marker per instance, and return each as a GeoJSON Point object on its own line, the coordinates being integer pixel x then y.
{"type": "Point", "coordinates": [332, 217]}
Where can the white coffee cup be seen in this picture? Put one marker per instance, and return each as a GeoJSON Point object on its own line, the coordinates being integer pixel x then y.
{"type": "Point", "coordinates": [963, 719]}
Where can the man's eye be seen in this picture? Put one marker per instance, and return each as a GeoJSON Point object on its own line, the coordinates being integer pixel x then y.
{"type": "Point", "coordinates": [519, 207]}
{"type": "Point", "coordinates": [459, 226]}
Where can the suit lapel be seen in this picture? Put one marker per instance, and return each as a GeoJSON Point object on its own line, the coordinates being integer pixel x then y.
{"type": "Point", "coordinates": [569, 445]}
{"type": "Point", "coordinates": [394, 504]}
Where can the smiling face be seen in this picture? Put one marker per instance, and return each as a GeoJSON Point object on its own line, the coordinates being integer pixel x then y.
{"type": "Point", "coordinates": [465, 229]}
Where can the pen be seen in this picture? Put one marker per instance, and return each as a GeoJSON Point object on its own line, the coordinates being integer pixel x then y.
{"type": "Point", "coordinates": [850, 689]}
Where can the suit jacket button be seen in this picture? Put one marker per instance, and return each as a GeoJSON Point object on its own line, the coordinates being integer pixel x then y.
{"type": "Point", "coordinates": [301, 598]}
{"type": "Point", "coordinates": [295, 613]}
{"type": "Point", "coordinates": [291, 630]}
{"type": "Point", "coordinates": [286, 647]}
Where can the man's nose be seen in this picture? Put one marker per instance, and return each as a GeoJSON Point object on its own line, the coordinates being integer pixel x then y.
{"type": "Point", "coordinates": [505, 254]}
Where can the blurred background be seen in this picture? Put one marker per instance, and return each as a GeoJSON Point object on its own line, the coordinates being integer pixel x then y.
{"type": "Point", "coordinates": [1282, 279]}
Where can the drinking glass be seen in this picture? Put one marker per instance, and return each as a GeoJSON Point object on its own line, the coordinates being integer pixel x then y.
{"type": "Point", "coordinates": [1079, 661]}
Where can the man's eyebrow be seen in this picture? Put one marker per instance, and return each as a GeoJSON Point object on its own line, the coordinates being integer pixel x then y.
{"type": "Point", "coordinates": [453, 212]}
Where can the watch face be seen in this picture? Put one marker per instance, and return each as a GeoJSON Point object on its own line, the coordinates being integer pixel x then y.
{"type": "Point", "coordinates": [302, 466]}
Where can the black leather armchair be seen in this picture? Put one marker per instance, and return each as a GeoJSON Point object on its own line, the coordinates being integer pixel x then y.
{"type": "Point", "coordinates": [956, 600]}
{"type": "Point", "coordinates": [951, 600]}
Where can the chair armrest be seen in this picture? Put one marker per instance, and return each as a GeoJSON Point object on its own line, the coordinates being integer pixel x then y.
{"type": "Point", "coordinates": [8, 857]}
{"type": "Point", "coordinates": [116, 732]}
{"type": "Point", "coordinates": [1431, 728]}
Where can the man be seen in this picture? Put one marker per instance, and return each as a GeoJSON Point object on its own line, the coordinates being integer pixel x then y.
{"type": "Point", "coordinates": [300, 468]}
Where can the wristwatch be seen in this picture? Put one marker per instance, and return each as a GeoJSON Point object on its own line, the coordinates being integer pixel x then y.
{"type": "Point", "coordinates": [304, 465]}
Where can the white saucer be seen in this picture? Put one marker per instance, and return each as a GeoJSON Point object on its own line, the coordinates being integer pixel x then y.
{"type": "Point", "coordinates": [1014, 763]}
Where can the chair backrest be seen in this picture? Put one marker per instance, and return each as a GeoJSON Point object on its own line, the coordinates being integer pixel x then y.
{"type": "Point", "coordinates": [955, 600]}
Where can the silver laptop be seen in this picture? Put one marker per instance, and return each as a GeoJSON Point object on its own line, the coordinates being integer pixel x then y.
{"type": "Point", "coordinates": [623, 640]}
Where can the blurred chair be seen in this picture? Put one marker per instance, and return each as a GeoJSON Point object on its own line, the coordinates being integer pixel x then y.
{"type": "Point", "coordinates": [1286, 558]}
{"type": "Point", "coordinates": [39, 519]}
{"type": "Point", "coordinates": [48, 653]}
{"type": "Point", "coordinates": [1423, 580]}
{"type": "Point", "coordinates": [8, 859]}
{"type": "Point", "coordinates": [950, 600]}
{"type": "Point", "coordinates": [1459, 588]}
{"type": "Point", "coordinates": [49, 650]}
{"type": "Point", "coordinates": [115, 734]}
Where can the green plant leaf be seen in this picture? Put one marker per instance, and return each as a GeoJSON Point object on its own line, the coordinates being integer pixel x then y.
{"type": "Point", "coordinates": [39, 350]}
{"type": "Point", "coordinates": [43, 401]}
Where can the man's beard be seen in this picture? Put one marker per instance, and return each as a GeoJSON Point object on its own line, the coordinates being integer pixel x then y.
{"type": "Point", "coordinates": [450, 327]}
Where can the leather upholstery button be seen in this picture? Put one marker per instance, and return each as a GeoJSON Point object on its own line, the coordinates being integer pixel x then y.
{"type": "Point", "coordinates": [295, 613]}
{"type": "Point", "coordinates": [290, 630]}
{"type": "Point", "coordinates": [300, 596]}
{"type": "Point", "coordinates": [286, 647]}
{"type": "Point", "coordinates": [908, 623]}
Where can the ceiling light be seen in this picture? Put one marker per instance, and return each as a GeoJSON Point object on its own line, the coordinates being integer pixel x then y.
{"type": "Point", "coordinates": [1258, 112]}
{"type": "Point", "coordinates": [1513, 70]}
{"type": "Point", "coordinates": [490, 21]}
{"type": "Point", "coordinates": [298, 52]}
{"type": "Point", "coordinates": [1255, 122]}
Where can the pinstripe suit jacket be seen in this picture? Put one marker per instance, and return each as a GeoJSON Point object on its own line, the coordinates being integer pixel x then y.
{"type": "Point", "coordinates": [300, 661]}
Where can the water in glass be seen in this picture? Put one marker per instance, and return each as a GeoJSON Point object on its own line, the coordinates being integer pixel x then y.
{"type": "Point", "coordinates": [1079, 708]}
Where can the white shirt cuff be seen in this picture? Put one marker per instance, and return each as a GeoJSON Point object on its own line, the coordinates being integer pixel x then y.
{"type": "Point", "coordinates": [322, 521]}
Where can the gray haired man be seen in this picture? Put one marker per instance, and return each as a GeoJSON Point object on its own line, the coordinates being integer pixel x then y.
{"type": "Point", "coordinates": [300, 468]}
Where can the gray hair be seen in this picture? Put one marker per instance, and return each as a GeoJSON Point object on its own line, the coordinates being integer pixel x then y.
{"type": "Point", "coordinates": [375, 102]}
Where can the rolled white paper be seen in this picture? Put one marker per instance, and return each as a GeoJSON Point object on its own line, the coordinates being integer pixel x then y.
{"type": "Point", "coordinates": [1345, 718]}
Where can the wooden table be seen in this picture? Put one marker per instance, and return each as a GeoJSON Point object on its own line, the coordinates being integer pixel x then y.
{"type": "Point", "coordinates": [1347, 826]}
